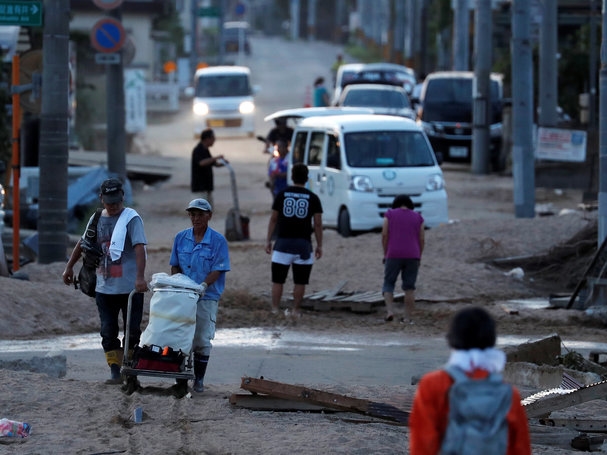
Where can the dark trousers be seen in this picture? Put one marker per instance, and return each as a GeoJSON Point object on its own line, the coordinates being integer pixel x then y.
{"type": "Point", "coordinates": [110, 306]}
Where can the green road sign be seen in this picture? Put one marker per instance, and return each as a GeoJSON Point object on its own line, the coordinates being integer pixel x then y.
{"type": "Point", "coordinates": [208, 11]}
{"type": "Point", "coordinates": [21, 13]}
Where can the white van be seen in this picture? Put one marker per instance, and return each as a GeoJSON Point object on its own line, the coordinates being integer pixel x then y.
{"type": "Point", "coordinates": [359, 163]}
{"type": "Point", "coordinates": [223, 100]}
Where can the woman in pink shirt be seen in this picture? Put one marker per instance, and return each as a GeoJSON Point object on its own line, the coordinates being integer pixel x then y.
{"type": "Point", "coordinates": [402, 238]}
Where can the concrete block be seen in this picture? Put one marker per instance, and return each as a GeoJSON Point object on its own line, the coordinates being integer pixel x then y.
{"type": "Point", "coordinates": [527, 374]}
{"type": "Point", "coordinates": [54, 364]}
{"type": "Point", "coordinates": [545, 351]}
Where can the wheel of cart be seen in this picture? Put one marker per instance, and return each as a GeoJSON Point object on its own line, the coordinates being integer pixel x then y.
{"type": "Point", "coordinates": [170, 330]}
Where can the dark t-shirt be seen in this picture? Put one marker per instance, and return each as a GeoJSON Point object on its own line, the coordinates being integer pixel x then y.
{"type": "Point", "coordinates": [202, 176]}
{"type": "Point", "coordinates": [296, 207]}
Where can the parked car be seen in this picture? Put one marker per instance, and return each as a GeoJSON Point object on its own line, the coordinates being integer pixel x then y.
{"type": "Point", "coordinates": [223, 100]}
{"type": "Point", "coordinates": [445, 113]}
{"type": "Point", "coordinates": [359, 163]}
{"type": "Point", "coordinates": [390, 73]}
{"type": "Point", "coordinates": [235, 35]}
{"type": "Point", "coordinates": [382, 98]}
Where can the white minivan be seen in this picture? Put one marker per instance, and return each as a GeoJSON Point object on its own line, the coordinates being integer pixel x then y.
{"type": "Point", "coordinates": [359, 163]}
{"type": "Point", "coordinates": [223, 100]}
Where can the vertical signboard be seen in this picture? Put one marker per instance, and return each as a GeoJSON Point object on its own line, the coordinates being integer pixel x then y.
{"type": "Point", "coordinates": [134, 101]}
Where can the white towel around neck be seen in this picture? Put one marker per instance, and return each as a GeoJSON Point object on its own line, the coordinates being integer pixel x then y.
{"type": "Point", "coordinates": [119, 233]}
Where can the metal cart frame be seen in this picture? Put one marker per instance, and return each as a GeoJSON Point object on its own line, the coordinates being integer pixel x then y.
{"type": "Point", "coordinates": [129, 372]}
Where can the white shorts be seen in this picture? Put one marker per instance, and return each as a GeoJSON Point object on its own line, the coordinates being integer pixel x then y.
{"type": "Point", "coordinates": [287, 258]}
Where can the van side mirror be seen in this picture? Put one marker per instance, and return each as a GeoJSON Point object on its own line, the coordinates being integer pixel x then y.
{"type": "Point", "coordinates": [189, 92]}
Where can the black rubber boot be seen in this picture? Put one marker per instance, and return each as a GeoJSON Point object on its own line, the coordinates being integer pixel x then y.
{"type": "Point", "coordinates": [200, 368]}
{"type": "Point", "coordinates": [180, 389]}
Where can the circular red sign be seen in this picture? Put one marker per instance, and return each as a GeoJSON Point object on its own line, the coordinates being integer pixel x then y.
{"type": "Point", "coordinates": [108, 4]}
{"type": "Point", "coordinates": [108, 35]}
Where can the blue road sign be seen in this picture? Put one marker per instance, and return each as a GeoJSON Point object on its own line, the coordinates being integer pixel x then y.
{"type": "Point", "coordinates": [108, 35]}
{"type": "Point", "coordinates": [240, 9]}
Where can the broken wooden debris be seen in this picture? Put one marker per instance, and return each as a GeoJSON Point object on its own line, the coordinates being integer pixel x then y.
{"type": "Point", "coordinates": [583, 425]}
{"type": "Point", "coordinates": [269, 403]}
{"type": "Point", "coordinates": [321, 398]}
{"type": "Point", "coordinates": [336, 299]}
{"type": "Point", "coordinates": [543, 403]}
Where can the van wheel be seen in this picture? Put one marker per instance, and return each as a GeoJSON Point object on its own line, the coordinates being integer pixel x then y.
{"type": "Point", "coordinates": [343, 223]}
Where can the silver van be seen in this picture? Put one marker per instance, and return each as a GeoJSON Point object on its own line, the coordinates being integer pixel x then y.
{"type": "Point", "coordinates": [359, 163]}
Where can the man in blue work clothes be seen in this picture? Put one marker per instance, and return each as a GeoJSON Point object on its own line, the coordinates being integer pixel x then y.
{"type": "Point", "coordinates": [201, 253]}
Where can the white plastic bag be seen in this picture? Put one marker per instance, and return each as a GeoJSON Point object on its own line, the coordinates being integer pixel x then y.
{"type": "Point", "coordinates": [172, 319]}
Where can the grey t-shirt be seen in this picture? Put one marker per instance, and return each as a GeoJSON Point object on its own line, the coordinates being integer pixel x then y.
{"type": "Point", "coordinates": [118, 277]}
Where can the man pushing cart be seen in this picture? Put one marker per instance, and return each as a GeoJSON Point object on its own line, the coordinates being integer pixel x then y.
{"type": "Point", "coordinates": [201, 254]}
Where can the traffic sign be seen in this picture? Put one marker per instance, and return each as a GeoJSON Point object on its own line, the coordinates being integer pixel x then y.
{"type": "Point", "coordinates": [208, 11]}
{"type": "Point", "coordinates": [105, 58]}
{"type": "Point", "coordinates": [108, 4]}
{"type": "Point", "coordinates": [240, 9]}
{"type": "Point", "coordinates": [21, 13]}
{"type": "Point", "coordinates": [107, 35]}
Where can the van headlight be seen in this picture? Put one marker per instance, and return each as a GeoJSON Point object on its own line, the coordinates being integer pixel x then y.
{"type": "Point", "coordinates": [435, 183]}
{"type": "Point", "coordinates": [246, 107]}
{"type": "Point", "coordinates": [200, 108]}
{"type": "Point", "coordinates": [361, 183]}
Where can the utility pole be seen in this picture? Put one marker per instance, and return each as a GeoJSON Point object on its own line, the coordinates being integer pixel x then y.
{"type": "Point", "coordinates": [193, 36]}
{"type": "Point", "coordinates": [311, 20]}
{"type": "Point", "coordinates": [483, 31]}
{"type": "Point", "coordinates": [116, 117]}
{"type": "Point", "coordinates": [548, 68]}
{"type": "Point", "coordinates": [53, 154]}
{"type": "Point", "coordinates": [460, 39]}
{"type": "Point", "coordinates": [603, 131]}
{"type": "Point", "coordinates": [294, 20]}
{"type": "Point", "coordinates": [523, 171]}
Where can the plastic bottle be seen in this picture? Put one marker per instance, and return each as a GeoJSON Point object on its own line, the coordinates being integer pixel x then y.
{"type": "Point", "coordinates": [12, 428]}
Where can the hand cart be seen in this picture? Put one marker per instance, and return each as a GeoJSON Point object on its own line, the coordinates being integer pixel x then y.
{"type": "Point", "coordinates": [129, 370]}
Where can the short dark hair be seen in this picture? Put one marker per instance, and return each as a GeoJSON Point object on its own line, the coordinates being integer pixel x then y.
{"type": "Point", "coordinates": [299, 173]}
{"type": "Point", "coordinates": [472, 328]}
{"type": "Point", "coordinates": [207, 134]}
{"type": "Point", "coordinates": [402, 199]}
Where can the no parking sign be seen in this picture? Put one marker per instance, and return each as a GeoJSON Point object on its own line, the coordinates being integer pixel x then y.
{"type": "Point", "coordinates": [108, 35]}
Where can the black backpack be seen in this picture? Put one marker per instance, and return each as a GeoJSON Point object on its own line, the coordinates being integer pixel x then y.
{"type": "Point", "coordinates": [91, 255]}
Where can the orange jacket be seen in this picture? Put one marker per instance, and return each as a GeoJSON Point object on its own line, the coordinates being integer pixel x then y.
{"type": "Point", "coordinates": [428, 419]}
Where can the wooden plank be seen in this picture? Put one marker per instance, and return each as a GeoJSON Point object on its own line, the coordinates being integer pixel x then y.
{"type": "Point", "coordinates": [327, 294]}
{"type": "Point", "coordinates": [319, 397]}
{"type": "Point", "coordinates": [269, 403]}
{"type": "Point", "coordinates": [584, 425]}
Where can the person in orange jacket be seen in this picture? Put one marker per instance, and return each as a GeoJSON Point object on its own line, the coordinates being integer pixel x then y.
{"type": "Point", "coordinates": [472, 338]}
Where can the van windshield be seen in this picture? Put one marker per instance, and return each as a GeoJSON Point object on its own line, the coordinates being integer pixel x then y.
{"type": "Point", "coordinates": [220, 85]}
{"type": "Point", "coordinates": [450, 100]}
{"type": "Point", "coordinates": [388, 149]}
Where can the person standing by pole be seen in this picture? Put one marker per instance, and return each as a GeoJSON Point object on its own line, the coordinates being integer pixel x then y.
{"type": "Point", "coordinates": [403, 239]}
{"type": "Point", "coordinates": [202, 165]}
